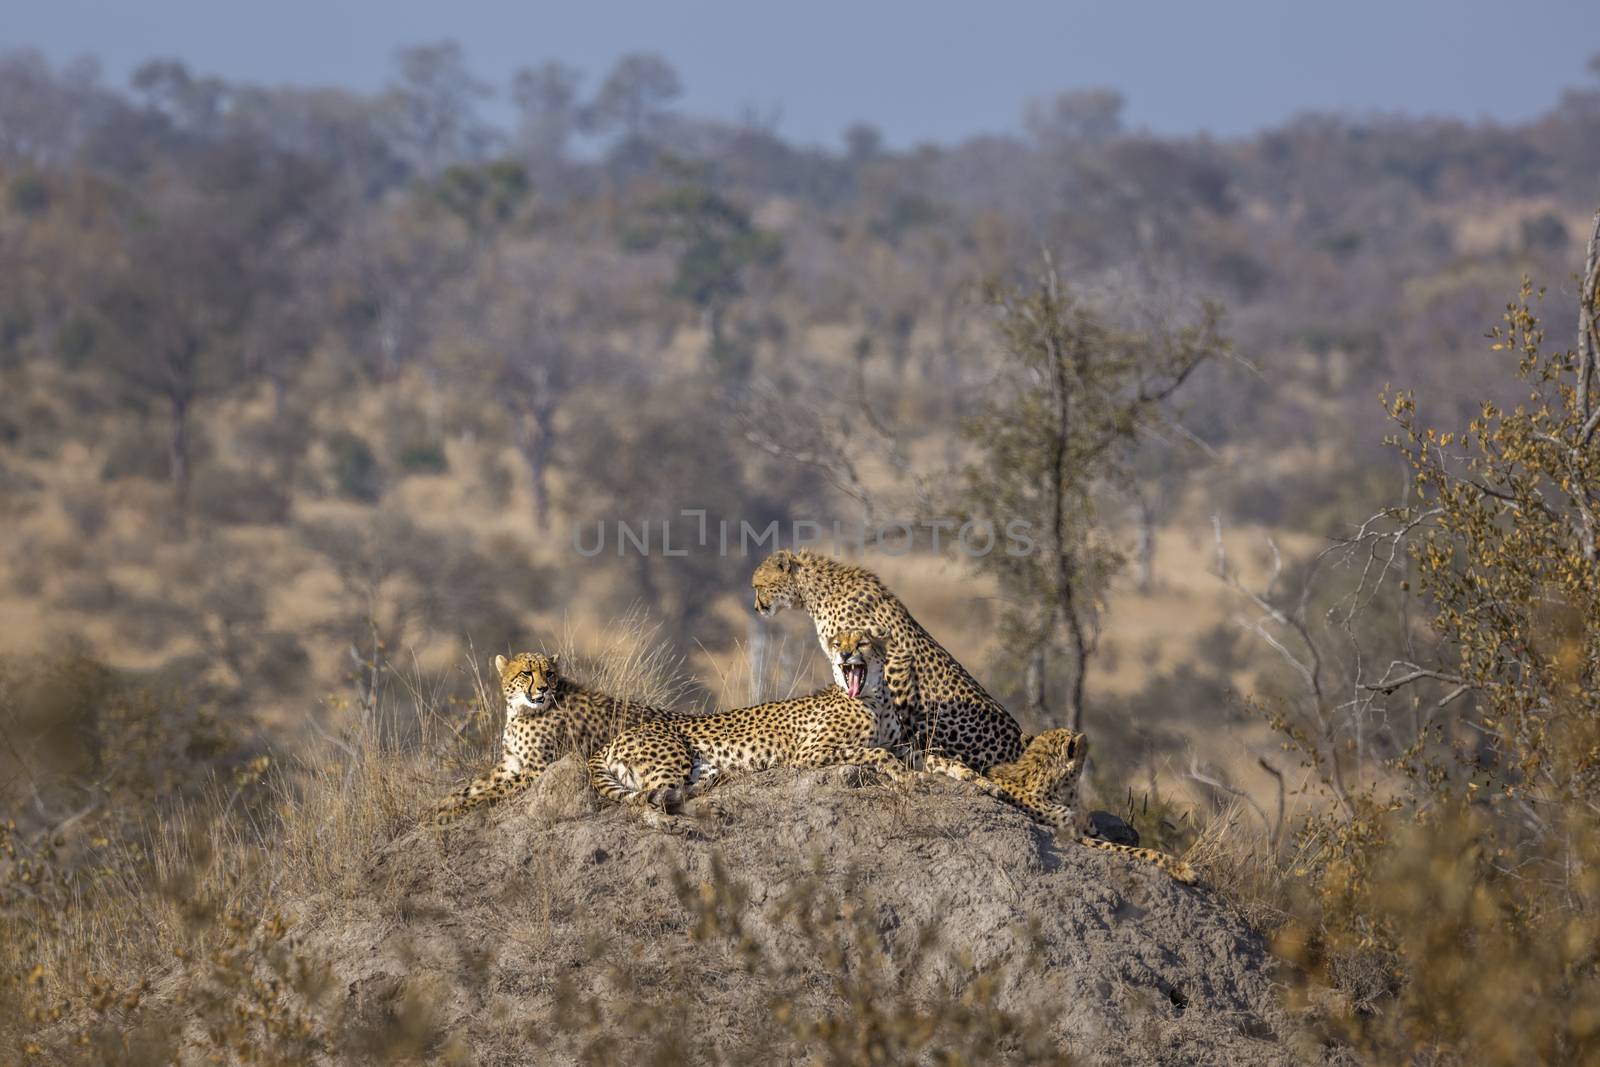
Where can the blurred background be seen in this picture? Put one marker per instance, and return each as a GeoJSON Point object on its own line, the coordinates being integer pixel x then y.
{"type": "Point", "coordinates": [324, 326]}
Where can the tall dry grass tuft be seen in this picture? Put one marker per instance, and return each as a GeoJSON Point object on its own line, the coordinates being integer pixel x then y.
{"type": "Point", "coordinates": [1239, 859]}
{"type": "Point", "coordinates": [630, 658]}
{"type": "Point", "coordinates": [763, 669]}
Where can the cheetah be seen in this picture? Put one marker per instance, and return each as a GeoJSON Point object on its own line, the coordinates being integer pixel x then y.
{"type": "Point", "coordinates": [655, 766]}
{"type": "Point", "coordinates": [1044, 783]}
{"type": "Point", "coordinates": [547, 716]}
{"type": "Point", "coordinates": [944, 708]}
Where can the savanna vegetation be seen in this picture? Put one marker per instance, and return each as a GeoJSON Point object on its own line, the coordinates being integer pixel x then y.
{"type": "Point", "coordinates": [309, 398]}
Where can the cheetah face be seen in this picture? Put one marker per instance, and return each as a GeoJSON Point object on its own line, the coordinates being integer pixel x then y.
{"type": "Point", "coordinates": [858, 660]}
{"type": "Point", "coordinates": [1058, 756]}
{"type": "Point", "coordinates": [528, 681]}
{"type": "Point", "coordinates": [775, 584]}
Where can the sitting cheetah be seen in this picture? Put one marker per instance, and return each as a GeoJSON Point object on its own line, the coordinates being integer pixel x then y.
{"type": "Point", "coordinates": [1044, 783]}
{"type": "Point", "coordinates": [547, 716]}
{"type": "Point", "coordinates": [944, 708]}
{"type": "Point", "coordinates": [655, 766]}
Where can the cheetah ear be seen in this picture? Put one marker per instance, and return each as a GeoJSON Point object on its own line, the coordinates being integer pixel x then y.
{"type": "Point", "coordinates": [555, 659]}
{"type": "Point", "coordinates": [1075, 747]}
{"type": "Point", "coordinates": [785, 560]}
{"type": "Point", "coordinates": [500, 663]}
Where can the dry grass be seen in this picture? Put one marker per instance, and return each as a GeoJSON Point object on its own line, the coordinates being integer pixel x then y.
{"type": "Point", "coordinates": [627, 657]}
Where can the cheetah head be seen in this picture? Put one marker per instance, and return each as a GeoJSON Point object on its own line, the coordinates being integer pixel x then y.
{"type": "Point", "coordinates": [775, 583]}
{"type": "Point", "coordinates": [528, 680]}
{"type": "Point", "coordinates": [1056, 757]}
{"type": "Point", "coordinates": [858, 660]}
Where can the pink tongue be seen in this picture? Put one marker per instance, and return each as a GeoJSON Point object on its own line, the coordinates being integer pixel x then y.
{"type": "Point", "coordinates": [852, 681]}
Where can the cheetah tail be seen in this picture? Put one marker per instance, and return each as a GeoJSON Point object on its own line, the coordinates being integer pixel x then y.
{"type": "Point", "coordinates": [1178, 869]}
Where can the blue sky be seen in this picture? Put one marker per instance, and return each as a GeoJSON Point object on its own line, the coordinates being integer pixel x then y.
{"type": "Point", "coordinates": [921, 71]}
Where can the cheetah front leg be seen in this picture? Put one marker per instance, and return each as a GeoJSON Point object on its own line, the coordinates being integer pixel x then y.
{"type": "Point", "coordinates": [1058, 816]}
{"type": "Point", "coordinates": [507, 779]}
{"type": "Point", "coordinates": [514, 773]}
{"type": "Point", "coordinates": [879, 759]}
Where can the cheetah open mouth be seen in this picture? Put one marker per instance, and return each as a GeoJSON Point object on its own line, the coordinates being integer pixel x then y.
{"type": "Point", "coordinates": [855, 676]}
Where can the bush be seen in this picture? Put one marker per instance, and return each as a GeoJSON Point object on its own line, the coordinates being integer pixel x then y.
{"type": "Point", "coordinates": [497, 479]}
{"type": "Point", "coordinates": [1442, 944]}
{"type": "Point", "coordinates": [86, 507]}
{"type": "Point", "coordinates": [75, 341]}
{"type": "Point", "coordinates": [421, 455]}
{"type": "Point", "coordinates": [37, 429]}
{"type": "Point", "coordinates": [1544, 232]}
{"type": "Point", "coordinates": [355, 470]}
{"type": "Point", "coordinates": [1451, 899]}
{"type": "Point", "coordinates": [238, 496]}
{"type": "Point", "coordinates": [30, 195]}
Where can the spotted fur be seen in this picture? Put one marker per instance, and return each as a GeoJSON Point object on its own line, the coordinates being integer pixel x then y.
{"type": "Point", "coordinates": [1044, 783]}
{"type": "Point", "coordinates": [655, 766]}
{"type": "Point", "coordinates": [547, 716]}
{"type": "Point", "coordinates": [945, 709]}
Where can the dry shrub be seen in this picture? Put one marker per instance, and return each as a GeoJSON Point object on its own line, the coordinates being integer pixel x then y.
{"type": "Point", "coordinates": [1444, 910]}
{"type": "Point", "coordinates": [1447, 948]}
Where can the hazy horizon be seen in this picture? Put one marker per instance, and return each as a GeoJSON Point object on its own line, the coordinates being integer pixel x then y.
{"type": "Point", "coordinates": [949, 73]}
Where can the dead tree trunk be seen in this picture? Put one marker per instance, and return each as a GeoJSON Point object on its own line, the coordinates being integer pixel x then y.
{"type": "Point", "coordinates": [534, 435]}
{"type": "Point", "coordinates": [1144, 553]}
{"type": "Point", "coordinates": [178, 456]}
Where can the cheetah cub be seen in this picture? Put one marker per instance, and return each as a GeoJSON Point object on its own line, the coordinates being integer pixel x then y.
{"type": "Point", "coordinates": [655, 766]}
{"type": "Point", "coordinates": [1044, 783]}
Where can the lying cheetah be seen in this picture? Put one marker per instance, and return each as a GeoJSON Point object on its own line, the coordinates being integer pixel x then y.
{"type": "Point", "coordinates": [547, 716]}
{"type": "Point", "coordinates": [945, 709]}
{"type": "Point", "coordinates": [655, 766]}
{"type": "Point", "coordinates": [1044, 783]}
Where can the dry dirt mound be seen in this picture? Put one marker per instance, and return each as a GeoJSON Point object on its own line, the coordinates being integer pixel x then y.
{"type": "Point", "coordinates": [570, 925]}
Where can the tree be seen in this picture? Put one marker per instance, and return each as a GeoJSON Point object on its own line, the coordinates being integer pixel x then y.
{"type": "Point", "coordinates": [180, 299]}
{"type": "Point", "coordinates": [1506, 547]}
{"type": "Point", "coordinates": [717, 246]}
{"type": "Point", "coordinates": [539, 352]}
{"type": "Point", "coordinates": [1074, 119]}
{"type": "Point", "coordinates": [546, 98]}
{"type": "Point", "coordinates": [863, 142]}
{"type": "Point", "coordinates": [192, 105]}
{"type": "Point", "coordinates": [390, 268]}
{"type": "Point", "coordinates": [484, 198]}
{"type": "Point", "coordinates": [1073, 391]}
{"type": "Point", "coordinates": [45, 117]}
{"type": "Point", "coordinates": [634, 95]}
{"type": "Point", "coordinates": [340, 128]}
{"type": "Point", "coordinates": [434, 108]}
